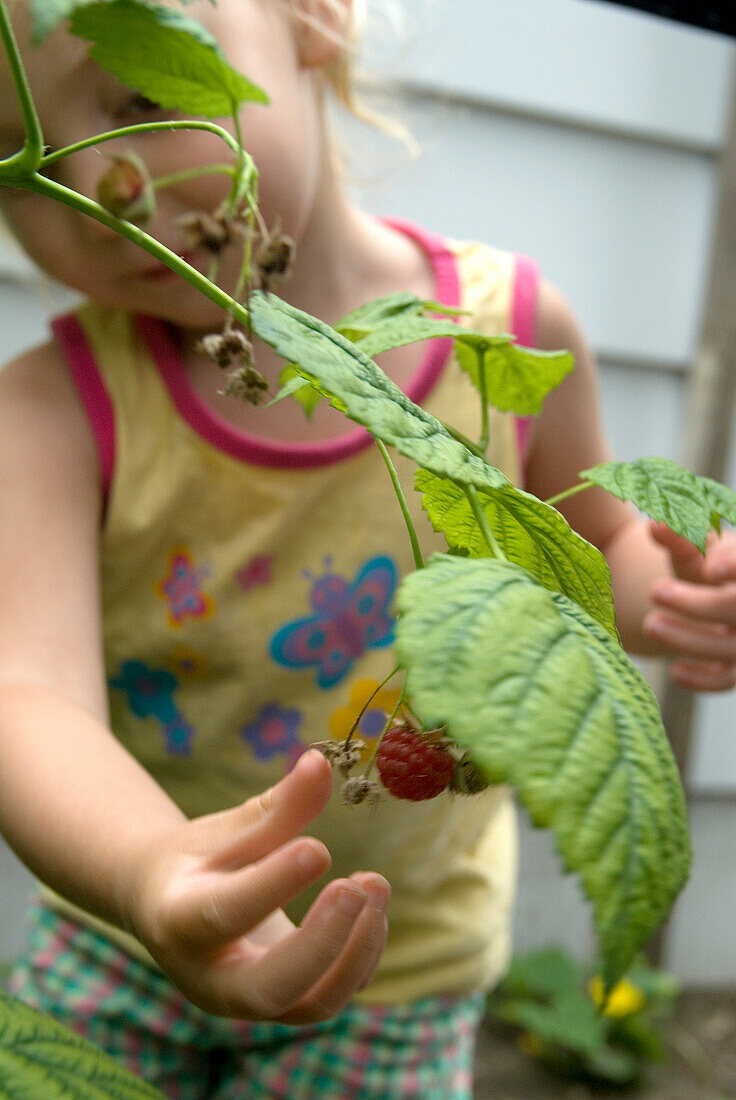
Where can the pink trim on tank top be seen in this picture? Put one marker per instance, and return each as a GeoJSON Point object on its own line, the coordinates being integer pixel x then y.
{"type": "Point", "coordinates": [98, 406]}
{"type": "Point", "coordinates": [276, 453]}
{"type": "Point", "coordinates": [91, 389]}
{"type": "Point", "coordinates": [523, 322]}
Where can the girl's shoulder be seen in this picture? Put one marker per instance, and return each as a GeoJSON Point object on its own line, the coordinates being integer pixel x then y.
{"type": "Point", "coordinates": [43, 426]}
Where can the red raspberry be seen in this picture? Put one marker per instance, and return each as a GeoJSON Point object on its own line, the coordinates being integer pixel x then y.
{"type": "Point", "coordinates": [412, 765]}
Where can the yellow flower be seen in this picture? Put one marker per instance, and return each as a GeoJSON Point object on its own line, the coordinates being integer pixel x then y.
{"type": "Point", "coordinates": [624, 999]}
{"type": "Point", "coordinates": [372, 722]}
{"type": "Point", "coordinates": [186, 664]}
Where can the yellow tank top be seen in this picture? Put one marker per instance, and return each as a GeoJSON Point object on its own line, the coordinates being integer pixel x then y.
{"type": "Point", "coordinates": [247, 604]}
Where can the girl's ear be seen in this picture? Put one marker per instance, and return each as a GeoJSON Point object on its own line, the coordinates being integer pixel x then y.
{"type": "Point", "coordinates": [321, 28]}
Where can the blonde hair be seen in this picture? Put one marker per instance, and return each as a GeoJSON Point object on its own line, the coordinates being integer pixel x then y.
{"type": "Point", "coordinates": [350, 87]}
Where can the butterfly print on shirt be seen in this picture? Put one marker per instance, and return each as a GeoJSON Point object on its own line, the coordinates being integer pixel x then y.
{"type": "Point", "coordinates": [348, 618]}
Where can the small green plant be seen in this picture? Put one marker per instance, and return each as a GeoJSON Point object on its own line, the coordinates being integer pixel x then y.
{"type": "Point", "coordinates": [562, 716]}
{"type": "Point", "coordinates": [40, 1060]}
{"type": "Point", "coordinates": [559, 1013]}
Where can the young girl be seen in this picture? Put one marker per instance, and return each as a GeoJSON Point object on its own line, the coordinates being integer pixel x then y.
{"type": "Point", "coordinates": [172, 563]}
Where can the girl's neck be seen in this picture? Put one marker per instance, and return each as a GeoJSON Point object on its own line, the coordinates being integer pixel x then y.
{"type": "Point", "coordinates": [344, 258]}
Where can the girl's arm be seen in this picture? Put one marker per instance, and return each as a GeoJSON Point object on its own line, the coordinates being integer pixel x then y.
{"type": "Point", "coordinates": [670, 601]}
{"type": "Point", "coordinates": [87, 818]}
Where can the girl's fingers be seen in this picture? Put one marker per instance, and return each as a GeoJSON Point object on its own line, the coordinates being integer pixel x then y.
{"type": "Point", "coordinates": [227, 905]}
{"type": "Point", "coordinates": [707, 603]}
{"type": "Point", "coordinates": [704, 675]}
{"type": "Point", "coordinates": [248, 832]}
{"type": "Point", "coordinates": [355, 966]}
{"type": "Point", "coordinates": [286, 973]}
{"type": "Point", "coordinates": [701, 641]}
{"type": "Point", "coordinates": [686, 559]}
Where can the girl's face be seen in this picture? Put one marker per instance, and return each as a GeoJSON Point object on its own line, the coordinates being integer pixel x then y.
{"type": "Point", "coordinates": [76, 99]}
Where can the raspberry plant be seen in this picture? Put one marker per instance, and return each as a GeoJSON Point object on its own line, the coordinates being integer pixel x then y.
{"type": "Point", "coordinates": [561, 715]}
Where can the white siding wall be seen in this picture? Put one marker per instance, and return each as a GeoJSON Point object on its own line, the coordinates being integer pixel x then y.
{"type": "Point", "coordinates": [586, 136]}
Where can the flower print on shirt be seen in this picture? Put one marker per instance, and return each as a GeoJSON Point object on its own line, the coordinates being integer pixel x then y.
{"type": "Point", "coordinates": [188, 664]}
{"type": "Point", "coordinates": [257, 572]}
{"type": "Point", "coordinates": [350, 616]}
{"type": "Point", "coordinates": [275, 732]}
{"type": "Point", "coordinates": [181, 588]}
{"type": "Point", "coordinates": [150, 694]}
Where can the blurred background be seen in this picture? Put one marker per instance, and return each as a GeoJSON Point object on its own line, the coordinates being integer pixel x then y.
{"type": "Point", "coordinates": [588, 136]}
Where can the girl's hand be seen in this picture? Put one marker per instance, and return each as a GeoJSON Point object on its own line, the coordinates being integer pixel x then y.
{"type": "Point", "coordinates": [695, 610]}
{"type": "Point", "coordinates": [208, 908]}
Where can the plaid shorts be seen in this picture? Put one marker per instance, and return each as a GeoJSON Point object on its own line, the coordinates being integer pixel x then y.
{"type": "Point", "coordinates": [130, 1010]}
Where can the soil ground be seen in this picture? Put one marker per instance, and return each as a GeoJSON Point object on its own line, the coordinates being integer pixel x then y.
{"type": "Point", "coordinates": [701, 1039]}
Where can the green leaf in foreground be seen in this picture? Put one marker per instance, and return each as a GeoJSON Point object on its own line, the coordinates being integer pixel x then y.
{"type": "Point", "coordinates": [293, 384]}
{"type": "Point", "coordinates": [40, 1058]}
{"type": "Point", "coordinates": [517, 379]}
{"type": "Point", "coordinates": [367, 394]}
{"type": "Point", "coordinates": [690, 505]}
{"type": "Point", "coordinates": [164, 54]}
{"type": "Point", "coordinates": [543, 699]}
{"type": "Point", "coordinates": [365, 318]}
{"type": "Point", "coordinates": [531, 534]}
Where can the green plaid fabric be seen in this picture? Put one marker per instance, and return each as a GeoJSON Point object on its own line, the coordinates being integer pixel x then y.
{"type": "Point", "coordinates": [391, 1052]}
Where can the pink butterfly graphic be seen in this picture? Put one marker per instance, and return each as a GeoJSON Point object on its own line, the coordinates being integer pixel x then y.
{"type": "Point", "coordinates": [349, 618]}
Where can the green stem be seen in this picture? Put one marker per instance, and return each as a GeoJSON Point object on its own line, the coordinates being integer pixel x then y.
{"type": "Point", "coordinates": [239, 182]}
{"type": "Point", "coordinates": [242, 285]}
{"type": "Point", "coordinates": [483, 389]}
{"type": "Point", "coordinates": [481, 519]}
{"type": "Point", "coordinates": [141, 128]}
{"type": "Point", "coordinates": [569, 492]}
{"type": "Point", "coordinates": [175, 178]}
{"type": "Point", "coordinates": [39, 185]}
{"type": "Point", "coordinates": [385, 730]}
{"type": "Point", "coordinates": [29, 157]}
{"type": "Point", "coordinates": [418, 559]}
{"type": "Point", "coordinates": [458, 435]}
{"type": "Point", "coordinates": [368, 702]}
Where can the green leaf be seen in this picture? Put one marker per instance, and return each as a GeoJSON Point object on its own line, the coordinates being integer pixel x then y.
{"type": "Point", "coordinates": [371, 314]}
{"type": "Point", "coordinates": [690, 505]}
{"type": "Point", "coordinates": [530, 533]}
{"type": "Point", "coordinates": [366, 317]}
{"type": "Point", "coordinates": [368, 395]}
{"type": "Point", "coordinates": [655, 984]}
{"type": "Point", "coordinates": [541, 973]}
{"type": "Point", "coordinates": [543, 699]}
{"type": "Point", "coordinates": [614, 1064]}
{"type": "Point", "coordinates": [164, 54]}
{"type": "Point", "coordinates": [300, 388]}
{"type": "Point", "coordinates": [722, 501]}
{"type": "Point", "coordinates": [569, 1020]}
{"type": "Point", "coordinates": [406, 328]}
{"type": "Point", "coordinates": [39, 1058]}
{"type": "Point", "coordinates": [517, 379]}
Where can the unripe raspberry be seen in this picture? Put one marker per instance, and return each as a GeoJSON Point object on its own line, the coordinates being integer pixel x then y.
{"type": "Point", "coordinates": [413, 765]}
{"type": "Point", "coordinates": [126, 190]}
